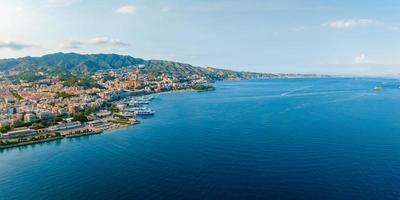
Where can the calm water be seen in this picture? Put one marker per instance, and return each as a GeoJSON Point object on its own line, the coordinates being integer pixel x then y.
{"type": "Point", "coordinates": [270, 139]}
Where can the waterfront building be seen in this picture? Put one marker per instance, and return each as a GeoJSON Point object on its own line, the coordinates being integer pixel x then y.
{"type": "Point", "coordinates": [103, 114]}
{"type": "Point", "coordinates": [66, 126]}
{"type": "Point", "coordinates": [19, 133]}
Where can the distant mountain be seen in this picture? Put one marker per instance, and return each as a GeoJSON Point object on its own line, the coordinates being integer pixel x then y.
{"type": "Point", "coordinates": [181, 70]}
{"type": "Point", "coordinates": [69, 62]}
{"type": "Point", "coordinates": [76, 64]}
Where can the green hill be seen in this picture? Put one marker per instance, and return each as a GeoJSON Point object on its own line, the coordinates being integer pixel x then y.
{"type": "Point", "coordinates": [82, 64]}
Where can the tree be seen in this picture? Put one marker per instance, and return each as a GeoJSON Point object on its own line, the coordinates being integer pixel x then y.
{"type": "Point", "coordinates": [39, 124]}
{"type": "Point", "coordinates": [18, 124]}
{"type": "Point", "coordinates": [90, 110]}
{"type": "Point", "coordinates": [56, 120]}
{"type": "Point", "coordinates": [5, 129]}
{"type": "Point", "coordinates": [80, 116]}
{"type": "Point", "coordinates": [113, 108]}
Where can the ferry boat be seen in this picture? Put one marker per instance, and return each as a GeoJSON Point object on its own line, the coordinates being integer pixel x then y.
{"type": "Point", "coordinates": [141, 101]}
{"type": "Point", "coordinates": [144, 112]}
{"type": "Point", "coordinates": [134, 109]}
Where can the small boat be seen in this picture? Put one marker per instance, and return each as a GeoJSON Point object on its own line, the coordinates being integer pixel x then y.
{"type": "Point", "coordinates": [147, 98]}
{"type": "Point", "coordinates": [140, 100]}
{"type": "Point", "coordinates": [377, 88]}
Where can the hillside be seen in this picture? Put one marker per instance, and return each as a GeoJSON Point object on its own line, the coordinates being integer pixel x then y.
{"type": "Point", "coordinates": [69, 62]}
{"type": "Point", "coordinates": [80, 64]}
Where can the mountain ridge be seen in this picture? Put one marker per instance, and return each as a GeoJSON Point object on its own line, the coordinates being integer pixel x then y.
{"type": "Point", "coordinates": [86, 64]}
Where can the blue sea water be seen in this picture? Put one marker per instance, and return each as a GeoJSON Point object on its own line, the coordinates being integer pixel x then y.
{"type": "Point", "coordinates": [332, 138]}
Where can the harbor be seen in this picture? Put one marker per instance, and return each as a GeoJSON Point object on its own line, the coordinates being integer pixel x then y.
{"type": "Point", "coordinates": [130, 110]}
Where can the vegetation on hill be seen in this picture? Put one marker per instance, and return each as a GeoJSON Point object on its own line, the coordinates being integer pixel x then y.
{"type": "Point", "coordinates": [73, 66]}
{"type": "Point", "coordinates": [181, 70]}
{"type": "Point", "coordinates": [66, 63]}
{"type": "Point", "coordinates": [203, 87]}
{"type": "Point", "coordinates": [84, 81]}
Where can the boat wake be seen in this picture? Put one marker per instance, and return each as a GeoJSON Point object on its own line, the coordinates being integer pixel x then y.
{"type": "Point", "coordinates": [295, 91]}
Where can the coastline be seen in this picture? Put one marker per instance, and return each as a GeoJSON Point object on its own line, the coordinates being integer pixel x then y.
{"type": "Point", "coordinates": [114, 127]}
{"type": "Point", "coordinates": [3, 147]}
{"type": "Point", "coordinates": [93, 132]}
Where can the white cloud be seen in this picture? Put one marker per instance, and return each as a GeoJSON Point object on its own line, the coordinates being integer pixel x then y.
{"type": "Point", "coordinates": [126, 10]}
{"type": "Point", "coordinates": [73, 44]}
{"type": "Point", "coordinates": [343, 24]}
{"type": "Point", "coordinates": [13, 45]}
{"type": "Point", "coordinates": [361, 59]}
{"type": "Point", "coordinates": [97, 41]}
{"type": "Point", "coordinates": [105, 41]}
{"type": "Point", "coordinates": [118, 42]}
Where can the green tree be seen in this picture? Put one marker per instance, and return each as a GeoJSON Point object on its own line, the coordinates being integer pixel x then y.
{"type": "Point", "coordinates": [39, 124]}
{"type": "Point", "coordinates": [80, 116]}
{"type": "Point", "coordinates": [113, 108]}
{"type": "Point", "coordinates": [56, 120]}
{"type": "Point", "coordinates": [5, 129]}
{"type": "Point", "coordinates": [90, 110]}
{"type": "Point", "coordinates": [18, 124]}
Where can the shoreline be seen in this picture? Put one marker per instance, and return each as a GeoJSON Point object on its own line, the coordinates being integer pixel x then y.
{"type": "Point", "coordinates": [4, 147]}
{"type": "Point", "coordinates": [94, 132]}
{"type": "Point", "coordinates": [100, 131]}
{"type": "Point", "coordinates": [109, 129]}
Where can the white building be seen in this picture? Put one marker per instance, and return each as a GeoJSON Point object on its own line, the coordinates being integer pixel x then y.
{"type": "Point", "coordinates": [29, 117]}
{"type": "Point", "coordinates": [66, 126]}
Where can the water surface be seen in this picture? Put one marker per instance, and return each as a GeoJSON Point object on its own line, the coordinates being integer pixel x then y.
{"type": "Point", "coordinates": [262, 139]}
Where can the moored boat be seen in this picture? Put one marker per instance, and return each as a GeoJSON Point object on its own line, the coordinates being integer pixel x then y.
{"type": "Point", "coordinates": [144, 112]}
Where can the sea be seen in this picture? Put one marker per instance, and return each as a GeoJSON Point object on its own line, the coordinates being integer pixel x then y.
{"type": "Point", "coordinates": [316, 138]}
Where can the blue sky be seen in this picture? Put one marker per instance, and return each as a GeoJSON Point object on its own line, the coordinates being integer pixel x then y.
{"type": "Point", "coordinates": [299, 36]}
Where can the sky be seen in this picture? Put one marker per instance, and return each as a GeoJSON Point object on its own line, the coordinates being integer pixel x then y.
{"type": "Point", "coordinates": [338, 37]}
